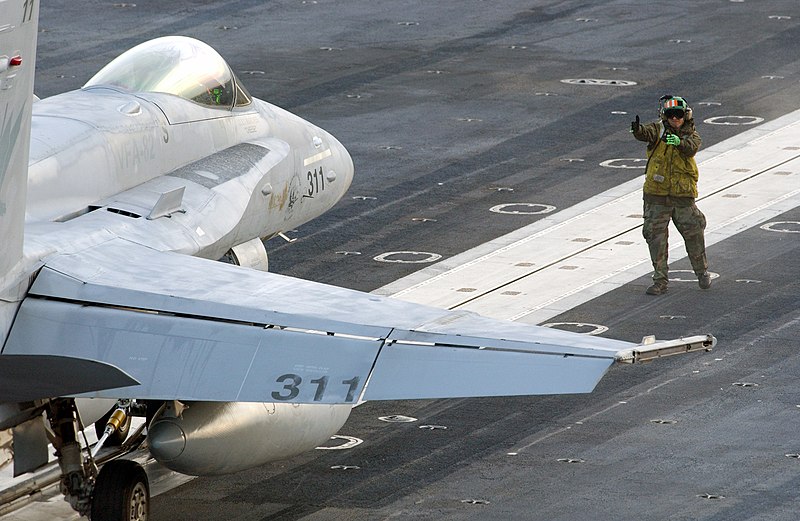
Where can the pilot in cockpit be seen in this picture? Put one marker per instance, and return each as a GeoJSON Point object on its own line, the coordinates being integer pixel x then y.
{"type": "Point", "coordinates": [175, 65]}
{"type": "Point", "coordinates": [218, 96]}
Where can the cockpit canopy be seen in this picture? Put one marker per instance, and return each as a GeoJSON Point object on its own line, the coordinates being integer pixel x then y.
{"type": "Point", "coordinates": [176, 65]}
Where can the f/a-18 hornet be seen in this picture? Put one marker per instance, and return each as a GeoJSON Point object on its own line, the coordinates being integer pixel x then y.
{"type": "Point", "coordinates": [117, 202]}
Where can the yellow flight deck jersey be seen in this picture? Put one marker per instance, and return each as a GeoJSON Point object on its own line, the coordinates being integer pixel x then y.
{"type": "Point", "coordinates": [671, 170]}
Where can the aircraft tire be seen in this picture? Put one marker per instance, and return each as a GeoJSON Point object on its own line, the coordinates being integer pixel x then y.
{"type": "Point", "coordinates": [119, 436]}
{"type": "Point", "coordinates": [121, 493]}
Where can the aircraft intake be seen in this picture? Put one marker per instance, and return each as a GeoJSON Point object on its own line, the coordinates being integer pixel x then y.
{"type": "Point", "coordinates": [211, 438]}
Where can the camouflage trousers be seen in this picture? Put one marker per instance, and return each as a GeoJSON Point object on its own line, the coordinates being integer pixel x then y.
{"type": "Point", "coordinates": [689, 221]}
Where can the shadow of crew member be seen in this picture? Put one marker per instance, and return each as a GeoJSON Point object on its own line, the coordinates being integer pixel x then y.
{"type": "Point", "coordinates": [670, 189]}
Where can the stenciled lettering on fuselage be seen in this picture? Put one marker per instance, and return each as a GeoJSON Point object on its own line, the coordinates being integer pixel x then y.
{"type": "Point", "coordinates": [129, 154]}
{"type": "Point", "coordinates": [316, 182]}
{"type": "Point", "coordinates": [27, 10]}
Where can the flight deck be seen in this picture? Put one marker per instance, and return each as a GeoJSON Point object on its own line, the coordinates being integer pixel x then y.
{"type": "Point", "coordinates": [494, 171]}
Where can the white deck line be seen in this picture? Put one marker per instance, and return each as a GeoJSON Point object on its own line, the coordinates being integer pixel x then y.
{"type": "Point", "coordinates": [581, 252]}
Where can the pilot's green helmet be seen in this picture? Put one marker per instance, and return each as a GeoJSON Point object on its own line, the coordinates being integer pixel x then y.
{"type": "Point", "coordinates": [672, 105]}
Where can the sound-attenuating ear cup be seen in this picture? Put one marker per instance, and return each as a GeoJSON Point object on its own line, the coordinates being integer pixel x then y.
{"type": "Point", "coordinates": [661, 101]}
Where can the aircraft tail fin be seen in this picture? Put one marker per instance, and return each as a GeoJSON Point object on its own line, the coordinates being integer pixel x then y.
{"type": "Point", "coordinates": [18, 30]}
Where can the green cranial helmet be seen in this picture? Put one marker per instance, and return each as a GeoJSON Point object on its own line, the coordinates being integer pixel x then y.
{"type": "Point", "coordinates": [669, 104]}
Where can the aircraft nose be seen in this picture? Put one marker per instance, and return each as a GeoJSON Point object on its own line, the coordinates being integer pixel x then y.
{"type": "Point", "coordinates": [344, 166]}
{"type": "Point", "coordinates": [348, 168]}
{"type": "Point", "coordinates": [167, 440]}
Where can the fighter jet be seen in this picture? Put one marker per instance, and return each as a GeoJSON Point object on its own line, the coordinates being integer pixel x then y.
{"type": "Point", "coordinates": [117, 203]}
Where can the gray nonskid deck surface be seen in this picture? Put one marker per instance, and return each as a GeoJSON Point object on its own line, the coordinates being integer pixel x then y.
{"type": "Point", "coordinates": [450, 109]}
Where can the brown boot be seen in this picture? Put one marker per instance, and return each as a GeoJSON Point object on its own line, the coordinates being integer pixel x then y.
{"type": "Point", "coordinates": [704, 280]}
{"type": "Point", "coordinates": [658, 288]}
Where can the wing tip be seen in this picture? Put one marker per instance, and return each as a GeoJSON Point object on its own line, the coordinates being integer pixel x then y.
{"type": "Point", "coordinates": [650, 349]}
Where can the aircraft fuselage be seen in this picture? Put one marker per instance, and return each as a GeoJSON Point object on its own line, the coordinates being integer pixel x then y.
{"type": "Point", "coordinates": [101, 158]}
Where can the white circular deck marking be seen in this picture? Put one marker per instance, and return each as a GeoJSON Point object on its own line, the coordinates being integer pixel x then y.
{"type": "Point", "coordinates": [349, 442]}
{"type": "Point", "coordinates": [598, 82]}
{"type": "Point", "coordinates": [502, 208]}
{"type": "Point", "coordinates": [625, 162]}
{"type": "Point", "coordinates": [692, 279]}
{"type": "Point", "coordinates": [596, 331]}
{"type": "Point", "coordinates": [571, 460]}
{"type": "Point", "coordinates": [733, 120]}
{"type": "Point", "coordinates": [475, 501]}
{"type": "Point", "coordinates": [775, 226]}
{"type": "Point", "coordinates": [397, 418]}
{"type": "Point", "coordinates": [423, 257]}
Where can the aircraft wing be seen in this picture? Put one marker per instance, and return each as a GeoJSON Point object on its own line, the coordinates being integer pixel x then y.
{"type": "Point", "coordinates": [188, 328]}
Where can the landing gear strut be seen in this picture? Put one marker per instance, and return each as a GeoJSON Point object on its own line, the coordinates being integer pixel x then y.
{"type": "Point", "coordinates": [77, 474]}
{"type": "Point", "coordinates": [119, 492]}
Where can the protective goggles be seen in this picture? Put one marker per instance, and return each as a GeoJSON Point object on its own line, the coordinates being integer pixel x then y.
{"type": "Point", "coordinates": [674, 113]}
